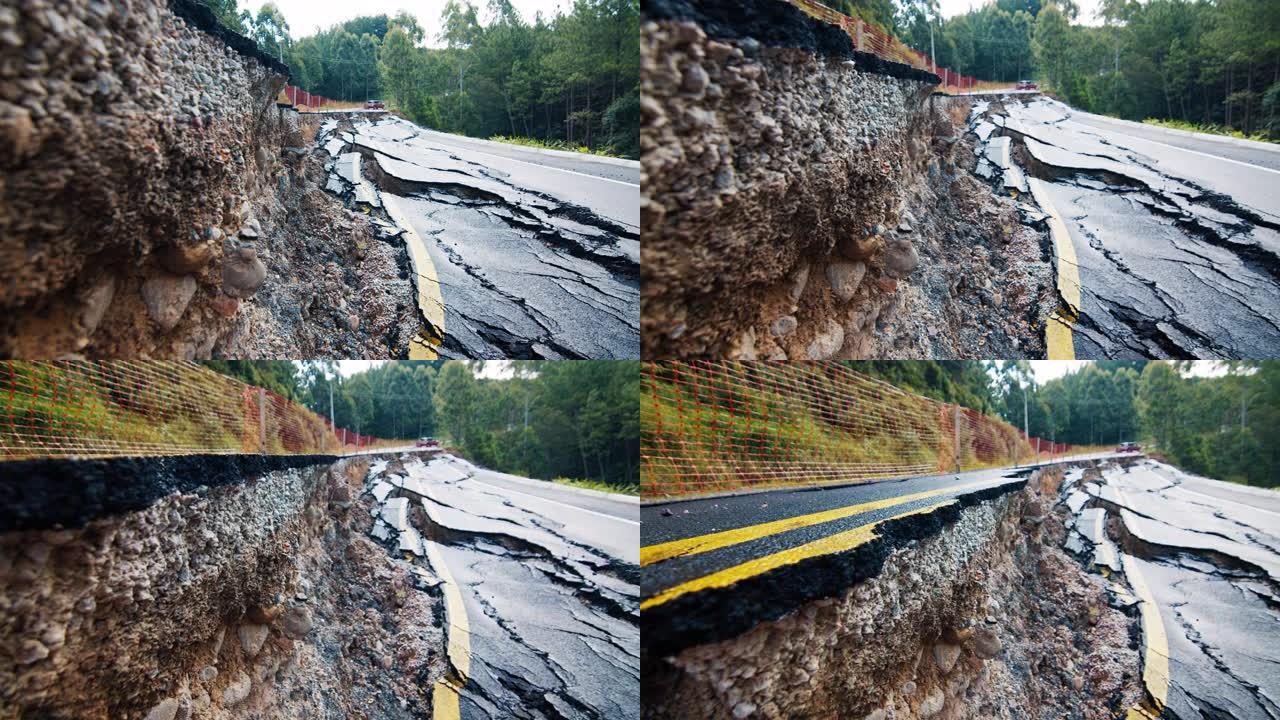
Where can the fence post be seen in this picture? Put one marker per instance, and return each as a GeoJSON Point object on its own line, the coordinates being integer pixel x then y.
{"type": "Point", "coordinates": [859, 38]}
{"type": "Point", "coordinates": [262, 421]}
{"type": "Point", "coordinates": [956, 414]}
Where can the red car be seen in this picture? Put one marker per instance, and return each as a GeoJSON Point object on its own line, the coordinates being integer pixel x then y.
{"type": "Point", "coordinates": [373, 105]}
{"type": "Point", "coordinates": [427, 442]}
{"type": "Point", "coordinates": [1128, 447]}
{"type": "Point", "coordinates": [1027, 85]}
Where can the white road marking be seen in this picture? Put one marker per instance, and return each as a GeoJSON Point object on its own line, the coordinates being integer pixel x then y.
{"type": "Point", "coordinates": [1197, 152]}
{"type": "Point", "coordinates": [555, 502]}
{"type": "Point", "coordinates": [526, 162]}
{"type": "Point", "coordinates": [1184, 488]}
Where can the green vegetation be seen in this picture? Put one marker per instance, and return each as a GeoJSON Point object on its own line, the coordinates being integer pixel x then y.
{"type": "Point", "coordinates": [1208, 63]}
{"type": "Point", "coordinates": [103, 409]}
{"type": "Point", "coordinates": [552, 145]}
{"type": "Point", "coordinates": [1194, 61]}
{"type": "Point", "coordinates": [1226, 427]}
{"type": "Point", "coordinates": [548, 420]}
{"type": "Point", "coordinates": [597, 485]}
{"type": "Point", "coordinates": [1093, 406]}
{"type": "Point", "coordinates": [571, 78]}
{"type": "Point", "coordinates": [1211, 129]}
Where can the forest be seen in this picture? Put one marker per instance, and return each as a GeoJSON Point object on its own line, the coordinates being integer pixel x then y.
{"type": "Point", "coordinates": [569, 80]}
{"type": "Point", "coordinates": [1226, 426]}
{"type": "Point", "coordinates": [1209, 63]}
{"type": "Point", "coordinates": [573, 419]}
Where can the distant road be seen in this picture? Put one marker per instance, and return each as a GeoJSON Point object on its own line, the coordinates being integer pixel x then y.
{"type": "Point", "coordinates": [1266, 156]}
{"type": "Point", "coordinates": [626, 172]}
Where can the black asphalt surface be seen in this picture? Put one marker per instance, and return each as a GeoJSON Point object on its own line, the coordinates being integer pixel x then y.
{"type": "Point", "coordinates": [550, 609]}
{"type": "Point", "coordinates": [37, 494]}
{"type": "Point", "coordinates": [1209, 553]}
{"type": "Point", "coordinates": [1177, 253]}
{"type": "Point", "coordinates": [520, 258]}
{"type": "Point", "coordinates": [710, 615]}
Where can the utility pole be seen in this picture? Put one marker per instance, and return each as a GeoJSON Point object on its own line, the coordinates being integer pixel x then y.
{"type": "Point", "coordinates": [1025, 434]}
{"type": "Point", "coordinates": [1244, 404]}
{"type": "Point", "coordinates": [332, 424]}
{"type": "Point", "coordinates": [932, 55]}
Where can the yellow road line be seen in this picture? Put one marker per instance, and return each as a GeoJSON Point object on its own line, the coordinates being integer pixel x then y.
{"type": "Point", "coordinates": [714, 541]}
{"type": "Point", "coordinates": [445, 697]}
{"type": "Point", "coordinates": [1155, 661]}
{"type": "Point", "coordinates": [430, 301]}
{"type": "Point", "coordinates": [839, 542]}
{"type": "Point", "coordinates": [1058, 339]}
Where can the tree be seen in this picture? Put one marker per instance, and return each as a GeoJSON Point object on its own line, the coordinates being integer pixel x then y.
{"type": "Point", "coordinates": [399, 66]}
{"type": "Point", "coordinates": [1052, 45]}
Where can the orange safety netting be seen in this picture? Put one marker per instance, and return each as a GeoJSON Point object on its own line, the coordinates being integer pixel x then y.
{"type": "Point", "coordinates": [711, 425]}
{"type": "Point", "coordinates": [78, 408]}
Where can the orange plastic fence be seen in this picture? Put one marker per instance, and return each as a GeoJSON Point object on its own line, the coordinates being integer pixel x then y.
{"type": "Point", "coordinates": [869, 38]}
{"type": "Point", "coordinates": [711, 425]}
{"type": "Point", "coordinates": [88, 409]}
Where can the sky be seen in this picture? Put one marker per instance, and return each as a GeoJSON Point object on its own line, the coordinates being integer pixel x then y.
{"type": "Point", "coordinates": [495, 369]}
{"type": "Point", "coordinates": [306, 16]}
{"type": "Point", "coordinates": [951, 8]}
{"type": "Point", "coordinates": [1046, 370]}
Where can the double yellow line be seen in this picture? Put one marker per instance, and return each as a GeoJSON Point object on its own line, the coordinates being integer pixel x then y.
{"type": "Point", "coordinates": [838, 542]}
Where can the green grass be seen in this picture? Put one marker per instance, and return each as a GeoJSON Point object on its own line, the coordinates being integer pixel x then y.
{"type": "Point", "coordinates": [1210, 129]}
{"type": "Point", "coordinates": [606, 151]}
{"type": "Point", "coordinates": [598, 485]}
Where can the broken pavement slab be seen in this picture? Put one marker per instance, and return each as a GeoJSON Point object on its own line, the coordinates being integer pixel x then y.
{"type": "Point", "coordinates": [1202, 565]}
{"type": "Point", "coordinates": [538, 619]}
{"type": "Point", "coordinates": [1165, 268]}
{"type": "Point", "coordinates": [502, 269]}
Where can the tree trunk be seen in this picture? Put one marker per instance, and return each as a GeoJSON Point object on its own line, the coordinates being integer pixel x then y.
{"type": "Point", "coordinates": [589, 123]}
{"type": "Point", "coordinates": [1248, 99]}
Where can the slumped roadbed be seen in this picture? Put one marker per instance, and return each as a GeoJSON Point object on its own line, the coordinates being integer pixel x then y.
{"type": "Point", "coordinates": [717, 567]}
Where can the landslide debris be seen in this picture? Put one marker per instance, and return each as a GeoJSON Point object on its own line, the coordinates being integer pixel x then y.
{"type": "Point", "coordinates": [262, 598]}
{"type": "Point", "coordinates": [989, 618]}
{"type": "Point", "coordinates": [797, 205]}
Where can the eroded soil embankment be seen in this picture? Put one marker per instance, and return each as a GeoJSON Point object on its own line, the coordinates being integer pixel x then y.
{"type": "Point", "coordinates": [157, 202]}
{"type": "Point", "coordinates": [803, 201]}
{"type": "Point", "coordinates": [257, 595]}
{"type": "Point", "coordinates": [988, 618]}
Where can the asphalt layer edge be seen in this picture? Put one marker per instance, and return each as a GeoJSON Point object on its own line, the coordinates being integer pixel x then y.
{"type": "Point", "coordinates": [777, 24]}
{"type": "Point", "coordinates": [43, 494]}
{"type": "Point", "coordinates": [720, 614]}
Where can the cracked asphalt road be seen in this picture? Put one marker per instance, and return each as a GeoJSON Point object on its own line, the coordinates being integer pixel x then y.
{"type": "Point", "coordinates": [1207, 556]}
{"type": "Point", "coordinates": [548, 622]}
{"type": "Point", "coordinates": [523, 255]}
{"type": "Point", "coordinates": [1177, 252]}
{"type": "Point", "coordinates": [714, 567]}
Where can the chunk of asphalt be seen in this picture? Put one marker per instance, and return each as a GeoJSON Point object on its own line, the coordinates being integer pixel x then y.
{"type": "Point", "coordinates": [41, 494]}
